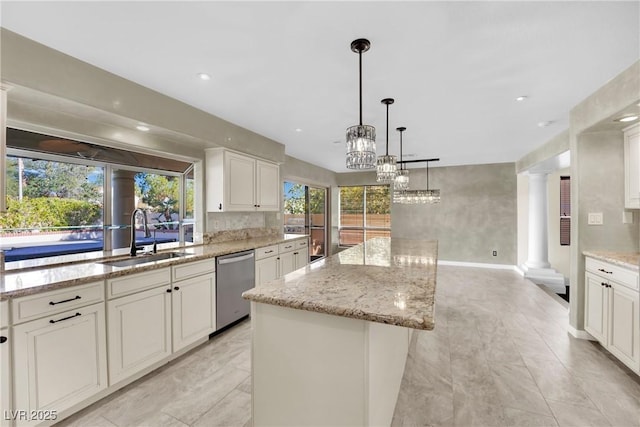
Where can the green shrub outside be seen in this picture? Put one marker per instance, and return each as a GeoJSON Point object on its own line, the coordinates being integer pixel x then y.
{"type": "Point", "coordinates": [41, 212]}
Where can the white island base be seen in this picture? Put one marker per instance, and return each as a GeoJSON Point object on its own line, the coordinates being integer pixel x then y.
{"type": "Point", "coordinates": [314, 369]}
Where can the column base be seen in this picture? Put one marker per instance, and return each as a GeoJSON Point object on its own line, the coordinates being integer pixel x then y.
{"type": "Point", "coordinates": [546, 276]}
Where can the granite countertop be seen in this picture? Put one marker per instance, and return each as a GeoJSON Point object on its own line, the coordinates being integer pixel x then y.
{"type": "Point", "coordinates": [17, 283]}
{"type": "Point", "coordinates": [630, 260]}
{"type": "Point", "coordinates": [383, 280]}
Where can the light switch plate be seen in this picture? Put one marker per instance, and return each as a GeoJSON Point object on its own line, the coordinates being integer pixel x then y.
{"type": "Point", "coordinates": [627, 217]}
{"type": "Point", "coordinates": [595, 218]}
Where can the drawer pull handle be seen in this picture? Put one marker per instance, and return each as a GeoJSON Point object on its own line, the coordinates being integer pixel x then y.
{"type": "Point", "coordinates": [296, 253]}
{"type": "Point", "coordinates": [65, 318]}
{"type": "Point", "coordinates": [3, 340]}
{"type": "Point", "coordinates": [605, 271]}
{"type": "Point", "coordinates": [288, 247]}
{"type": "Point", "coordinates": [268, 252]}
{"type": "Point", "coordinates": [168, 291]}
{"type": "Point", "coordinates": [66, 300]}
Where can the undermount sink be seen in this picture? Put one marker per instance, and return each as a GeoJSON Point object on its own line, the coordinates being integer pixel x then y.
{"type": "Point", "coordinates": [143, 259]}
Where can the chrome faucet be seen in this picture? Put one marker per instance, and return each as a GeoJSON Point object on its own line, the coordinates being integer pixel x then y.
{"type": "Point", "coordinates": [147, 234]}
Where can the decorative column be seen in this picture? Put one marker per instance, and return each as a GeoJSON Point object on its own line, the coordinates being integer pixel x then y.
{"type": "Point", "coordinates": [537, 267]}
{"type": "Point", "coordinates": [124, 202]}
{"type": "Point", "coordinates": [538, 253]}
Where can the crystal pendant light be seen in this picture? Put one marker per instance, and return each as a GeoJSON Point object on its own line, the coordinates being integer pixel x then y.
{"type": "Point", "coordinates": [386, 165]}
{"type": "Point", "coordinates": [361, 139]}
{"type": "Point", "coordinates": [401, 182]}
{"type": "Point", "coordinates": [411, 197]}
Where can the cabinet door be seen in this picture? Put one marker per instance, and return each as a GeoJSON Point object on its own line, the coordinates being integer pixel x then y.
{"type": "Point", "coordinates": [624, 338]}
{"type": "Point", "coordinates": [301, 258]}
{"type": "Point", "coordinates": [596, 306]}
{"type": "Point", "coordinates": [287, 263]}
{"type": "Point", "coordinates": [240, 180]}
{"type": "Point", "coordinates": [267, 186]}
{"type": "Point", "coordinates": [5, 377]}
{"type": "Point", "coordinates": [139, 332]}
{"type": "Point", "coordinates": [632, 168]}
{"type": "Point", "coordinates": [193, 305]}
{"type": "Point", "coordinates": [267, 269]}
{"type": "Point", "coordinates": [60, 360]}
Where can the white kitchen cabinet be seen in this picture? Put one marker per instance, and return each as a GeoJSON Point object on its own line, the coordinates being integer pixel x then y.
{"type": "Point", "coordinates": [273, 262]}
{"type": "Point", "coordinates": [5, 364]}
{"type": "Point", "coordinates": [236, 182]}
{"type": "Point", "coordinates": [267, 269]}
{"type": "Point", "coordinates": [193, 306]}
{"type": "Point", "coordinates": [139, 331]}
{"type": "Point", "coordinates": [59, 360]}
{"type": "Point", "coordinates": [612, 310]}
{"type": "Point", "coordinates": [632, 167]}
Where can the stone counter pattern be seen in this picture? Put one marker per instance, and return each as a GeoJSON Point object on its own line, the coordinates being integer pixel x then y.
{"type": "Point", "coordinates": [384, 280]}
{"type": "Point", "coordinates": [630, 260]}
{"type": "Point", "coordinates": [18, 283]}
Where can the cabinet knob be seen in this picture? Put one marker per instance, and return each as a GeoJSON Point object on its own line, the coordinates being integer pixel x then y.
{"type": "Point", "coordinates": [3, 340]}
{"type": "Point", "coordinates": [177, 288]}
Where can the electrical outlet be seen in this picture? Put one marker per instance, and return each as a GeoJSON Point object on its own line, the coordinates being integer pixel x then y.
{"type": "Point", "coordinates": [595, 218]}
{"type": "Point", "coordinates": [495, 253]}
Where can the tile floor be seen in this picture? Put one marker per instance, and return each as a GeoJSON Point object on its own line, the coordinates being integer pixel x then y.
{"type": "Point", "coordinates": [499, 356]}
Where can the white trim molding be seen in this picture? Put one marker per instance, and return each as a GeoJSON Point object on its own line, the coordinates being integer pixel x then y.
{"type": "Point", "coordinates": [479, 265]}
{"type": "Point", "coordinates": [579, 333]}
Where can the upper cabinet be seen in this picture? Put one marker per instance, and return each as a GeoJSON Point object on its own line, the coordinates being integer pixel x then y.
{"type": "Point", "coordinates": [632, 167]}
{"type": "Point", "coordinates": [240, 183]}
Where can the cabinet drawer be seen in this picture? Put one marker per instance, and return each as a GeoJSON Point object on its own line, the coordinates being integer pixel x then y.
{"type": "Point", "coordinates": [4, 314]}
{"type": "Point", "coordinates": [612, 272]}
{"type": "Point", "coordinates": [40, 305]}
{"type": "Point", "coordinates": [287, 246]}
{"type": "Point", "coordinates": [302, 243]}
{"type": "Point", "coordinates": [125, 285]}
{"type": "Point", "coordinates": [192, 269]}
{"type": "Point", "coordinates": [266, 252]}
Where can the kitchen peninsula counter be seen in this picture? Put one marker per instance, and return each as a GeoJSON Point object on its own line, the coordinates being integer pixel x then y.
{"type": "Point", "coordinates": [330, 341]}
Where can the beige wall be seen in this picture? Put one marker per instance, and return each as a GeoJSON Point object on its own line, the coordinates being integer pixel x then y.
{"type": "Point", "coordinates": [598, 186]}
{"type": "Point", "coordinates": [476, 216]}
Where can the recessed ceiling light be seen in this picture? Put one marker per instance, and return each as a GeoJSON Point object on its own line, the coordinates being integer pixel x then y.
{"type": "Point", "coordinates": [298, 130]}
{"type": "Point", "coordinates": [521, 98]}
{"type": "Point", "coordinates": [627, 118]}
{"type": "Point", "coordinates": [204, 76]}
{"type": "Point", "coordinates": [143, 128]}
{"type": "Point", "coordinates": [337, 142]}
{"type": "Point", "coordinates": [544, 124]}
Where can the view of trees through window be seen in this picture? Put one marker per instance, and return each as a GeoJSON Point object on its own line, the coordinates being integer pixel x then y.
{"type": "Point", "coordinates": [56, 207]}
{"type": "Point", "coordinates": [365, 213]}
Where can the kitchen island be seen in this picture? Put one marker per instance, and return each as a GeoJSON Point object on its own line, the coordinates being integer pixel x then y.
{"type": "Point", "coordinates": [330, 341]}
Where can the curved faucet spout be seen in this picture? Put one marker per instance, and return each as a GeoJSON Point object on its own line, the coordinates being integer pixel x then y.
{"type": "Point", "coordinates": [145, 224]}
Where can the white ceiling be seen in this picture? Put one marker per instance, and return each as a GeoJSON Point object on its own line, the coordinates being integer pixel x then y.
{"type": "Point", "coordinates": [454, 68]}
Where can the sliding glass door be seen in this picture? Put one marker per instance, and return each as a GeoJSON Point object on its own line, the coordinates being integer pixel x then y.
{"type": "Point", "coordinates": [305, 212]}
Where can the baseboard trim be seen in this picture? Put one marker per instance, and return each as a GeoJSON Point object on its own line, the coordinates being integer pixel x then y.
{"type": "Point", "coordinates": [580, 334]}
{"type": "Point", "coordinates": [478, 265]}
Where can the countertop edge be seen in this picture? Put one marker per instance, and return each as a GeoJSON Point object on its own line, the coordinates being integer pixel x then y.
{"type": "Point", "coordinates": [621, 259]}
{"type": "Point", "coordinates": [413, 323]}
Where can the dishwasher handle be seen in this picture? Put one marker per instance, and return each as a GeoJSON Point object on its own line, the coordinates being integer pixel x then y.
{"type": "Point", "coordinates": [235, 259]}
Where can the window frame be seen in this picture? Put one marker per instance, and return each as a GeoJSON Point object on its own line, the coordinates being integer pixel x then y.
{"type": "Point", "coordinates": [365, 228]}
{"type": "Point", "coordinates": [108, 168]}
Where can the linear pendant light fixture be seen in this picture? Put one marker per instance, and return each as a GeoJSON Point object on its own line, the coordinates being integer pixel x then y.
{"type": "Point", "coordinates": [412, 197]}
{"type": "Point", "coordinates": [386, 165]}
{"type": "Point", "coordinates": [361, 139]}
{"type": "Point", "coordinates": [401, 182]}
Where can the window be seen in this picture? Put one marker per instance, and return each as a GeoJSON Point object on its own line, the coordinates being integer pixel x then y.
{"type": "Point", "coordinates": [565, 211]}
{"type": "Point", "coordinates": [365, 213]}
{"type": "Point", "coordinates": [68, 197]}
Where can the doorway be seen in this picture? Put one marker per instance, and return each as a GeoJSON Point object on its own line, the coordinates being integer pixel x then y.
{"type": "Point", "coordinates": [305, 213]}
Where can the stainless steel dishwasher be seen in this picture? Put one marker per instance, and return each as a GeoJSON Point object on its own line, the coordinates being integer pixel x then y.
{"type": "Point", "coordinates": [235, 273]}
